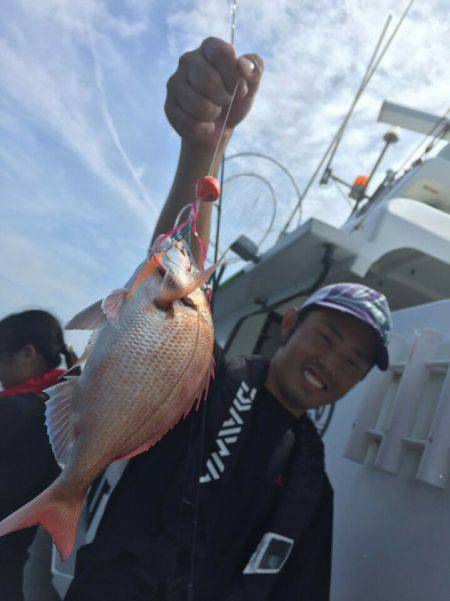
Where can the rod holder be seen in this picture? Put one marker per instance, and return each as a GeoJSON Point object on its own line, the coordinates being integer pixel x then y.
{"type": "Point", "coordinates": [409, 394]}
{"type": "Point", "coordinates": [434, 466]}
{"type": "Point", "coordinates": [376, 390]}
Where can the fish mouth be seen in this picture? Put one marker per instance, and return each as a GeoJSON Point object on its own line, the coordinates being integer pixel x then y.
{"type": "Point", "coordinates": [179, 257]}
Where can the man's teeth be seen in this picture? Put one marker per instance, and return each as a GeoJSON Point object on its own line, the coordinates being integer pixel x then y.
{"type": "Point", "coordinates": [312, 379]}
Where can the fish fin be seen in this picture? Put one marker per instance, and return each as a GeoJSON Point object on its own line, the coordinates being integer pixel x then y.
{"type": "Point", "coordinates": [209, 376]}
{"type": "Point", "coordinates": [58, 419]}
{"type": "Point", "coordinates": [112, 304]}
{"type": "Point", "coordinates": [90, 318]}
{"type": "Point", "coordinates": [171, 290]}
{"type": "Point", "coordinates": [57, 513]}
{"type": "Point", "coordinates": [142, 449]}
{"type": "Point", "coordinates": [87, 351]}
{"type": "Point", "coordinates": [203, 388]}
{"type": "Point", "coordinates": [195, 397]}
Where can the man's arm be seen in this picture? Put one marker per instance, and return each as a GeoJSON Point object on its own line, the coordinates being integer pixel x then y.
{"type": "Point", "coordinates": [198, 96]}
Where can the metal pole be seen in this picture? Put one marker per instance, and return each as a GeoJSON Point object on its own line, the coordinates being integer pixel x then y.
{"type": "Point", "coordinates": [334, 144]}
{"type": "Point", "coordinates": [365, 80]}
{"type": "Point", "coordinates": [380, 158]}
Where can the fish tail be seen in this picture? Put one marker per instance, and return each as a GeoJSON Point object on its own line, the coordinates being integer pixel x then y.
{"type": "Point", "coordinates": [56, 511]}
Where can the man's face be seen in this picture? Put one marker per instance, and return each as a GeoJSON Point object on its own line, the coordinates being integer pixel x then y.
{"type": "Point", "coordinates": [325, 356]}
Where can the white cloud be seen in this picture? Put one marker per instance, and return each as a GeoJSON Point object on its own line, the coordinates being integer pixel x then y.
{"type": "Point", "coordinates": [86, 154]}
{"type": "Point", "coordinates": [73, 16]}
{"type": "Point", "coordinates": [315, 55]}
{"type": "Point", "coordinates": [57, 89]}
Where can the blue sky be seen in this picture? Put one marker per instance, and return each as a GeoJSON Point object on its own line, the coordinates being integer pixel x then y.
{"type": "Point", "coordinates": [86, 155]}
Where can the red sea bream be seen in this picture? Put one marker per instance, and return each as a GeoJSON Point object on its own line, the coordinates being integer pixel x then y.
{"type": "Point", "coordinates": [148, 360]}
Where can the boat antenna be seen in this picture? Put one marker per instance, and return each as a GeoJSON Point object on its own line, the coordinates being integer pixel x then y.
{"type": "Point", "coordinates": [333, 145]}
{"type": "Point", "coordinates": [374, 62]}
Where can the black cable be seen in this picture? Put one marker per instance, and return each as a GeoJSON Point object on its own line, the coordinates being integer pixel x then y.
{"type": "Point", "coordinates": [327, 262]}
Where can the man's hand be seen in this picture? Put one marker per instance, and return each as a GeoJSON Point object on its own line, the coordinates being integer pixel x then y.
{"type": "Point", "coordinates": [198, 96]}
{"type": "Point", "coordinates": [200, 91]}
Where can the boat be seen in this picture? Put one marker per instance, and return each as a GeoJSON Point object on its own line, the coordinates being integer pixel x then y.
{"type": "Point", "coordinates": [388, 441]}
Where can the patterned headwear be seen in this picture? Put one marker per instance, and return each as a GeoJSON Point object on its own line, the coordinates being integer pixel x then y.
{"type": "Point", "coordinates": [364, 303]}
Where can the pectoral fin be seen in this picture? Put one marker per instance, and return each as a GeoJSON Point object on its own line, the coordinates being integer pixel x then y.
{"type": "Point", "coordinates": [58, 418]}
{"type": "Point", "coordinates": [112, 304]}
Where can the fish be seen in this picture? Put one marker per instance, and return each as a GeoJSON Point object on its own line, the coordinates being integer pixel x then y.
{"type": "Point", "coordinates": [147, 362]}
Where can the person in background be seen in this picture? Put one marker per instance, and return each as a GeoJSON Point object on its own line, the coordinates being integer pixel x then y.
{"type": "Point", "coordinates": [243, 513]}
{"type": "Point", "coordinates": [31, 348]}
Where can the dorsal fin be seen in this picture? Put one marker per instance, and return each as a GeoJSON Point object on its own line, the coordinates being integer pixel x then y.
{"type": "Point", "coordinates": [91, 318]}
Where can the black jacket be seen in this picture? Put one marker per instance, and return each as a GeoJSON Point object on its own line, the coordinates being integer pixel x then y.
{"type": "Point", "coordinates": [27, 467]}
{"type": "Point", "coordinates": [264, 530]}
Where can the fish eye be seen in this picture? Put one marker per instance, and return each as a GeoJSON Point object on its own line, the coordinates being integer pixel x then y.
{"type": "Point", "coordinates": [188, 302]}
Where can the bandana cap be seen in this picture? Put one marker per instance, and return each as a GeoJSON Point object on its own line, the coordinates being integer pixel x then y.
{"type": "Point", "coordinates": [364, 303]}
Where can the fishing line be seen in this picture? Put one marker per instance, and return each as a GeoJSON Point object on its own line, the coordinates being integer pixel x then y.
{"type": "Point", "coordinates": [191, 582]}
{"type": "Point", "coordinates": [233, 12]}
{"type": "Point", "coordinates": [206, 190]}
{"type": "Point", "coordinates": [222, 131]}
{"type": "Point", "coordinates": [218, 224]}
{"type": "Point", "coordinates": [180, 213]}
{"type": "Point", "coordinates": [180, 505]}
{"type": "Point", "coordinates": [190, 225]}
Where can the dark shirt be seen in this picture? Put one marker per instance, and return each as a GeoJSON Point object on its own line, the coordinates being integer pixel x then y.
{"type": "Point", "coordinates": [231, 507]}
{"type": "Point", "coordinates": [144, 543]}
{"type": "Point", "coordinates": [27, 467]}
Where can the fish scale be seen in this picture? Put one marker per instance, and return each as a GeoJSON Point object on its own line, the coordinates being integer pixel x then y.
{"type": "Point", "coordinates": [137, 372]}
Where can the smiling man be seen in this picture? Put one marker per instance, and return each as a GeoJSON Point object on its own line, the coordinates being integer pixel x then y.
{"type": "Point", "coordinates": [234, 503]}
{"type": "Point", "coordinates": [339, 334]}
